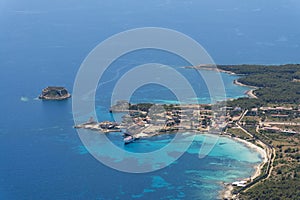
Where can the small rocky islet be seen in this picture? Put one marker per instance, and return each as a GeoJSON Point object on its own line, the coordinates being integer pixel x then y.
{"type": "Point", "coordinates": [54, 93]}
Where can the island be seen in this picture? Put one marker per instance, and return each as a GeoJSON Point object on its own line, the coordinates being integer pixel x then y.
{"type": "Point", "coordinates": [54, 93]}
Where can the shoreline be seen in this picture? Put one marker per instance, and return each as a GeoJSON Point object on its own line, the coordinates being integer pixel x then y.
{"type": "Point", "coordinates": [227, 72]}
{"type": "Point", "coordinates": [236, 82]}
{"type": "Point", "coordinates": [249, 93]}
{"type": "Point", "coordinates": [226, 193]}
{"type": "Point", "coordinates": [207, 67]}
{"type": "Point", "coordinates": [258, 149]}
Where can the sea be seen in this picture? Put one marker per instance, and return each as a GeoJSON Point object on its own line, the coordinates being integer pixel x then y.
{"type": "Point", "coordinates": [44, 43]}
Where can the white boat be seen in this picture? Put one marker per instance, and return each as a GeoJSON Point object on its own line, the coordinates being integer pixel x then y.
{"type": "Point", "coordinates": [128, 139]}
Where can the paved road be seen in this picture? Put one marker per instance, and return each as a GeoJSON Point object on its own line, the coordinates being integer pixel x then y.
{"type": "Point", "coordinates": [280, 123]}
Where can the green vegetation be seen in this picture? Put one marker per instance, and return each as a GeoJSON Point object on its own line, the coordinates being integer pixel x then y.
{"type": "Point", "coordinates": [276, 83]}
{"type": "Point", "coordinates": [235, 132]}
{"type": "Point", "coordinates": [245, 103]}
{"type": "Point", "coordinates": [141, 106]}
{"type": "Point", "coordinates": [146, 106]}
{"type": "Point", "coordinates": [284, 180]}
{"type": "Point", "coordinates": [269, 121]}
{"type": "Point", "coordinates": [275, 190]}
{"type": "Point", "coordinates": [278, 86]}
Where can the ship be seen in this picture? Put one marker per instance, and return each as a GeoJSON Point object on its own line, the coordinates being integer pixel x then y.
{"type": "Point", "coordinates": [128, 138]}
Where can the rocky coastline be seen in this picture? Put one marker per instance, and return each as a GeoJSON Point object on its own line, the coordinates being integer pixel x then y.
{"type": "Point", "coordinates": [54, 93]}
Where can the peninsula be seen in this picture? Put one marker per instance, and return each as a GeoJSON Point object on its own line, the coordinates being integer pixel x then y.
{"type": "Point", "coordinates": [268, 120]}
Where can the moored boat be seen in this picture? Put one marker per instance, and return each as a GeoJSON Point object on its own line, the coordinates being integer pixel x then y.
{"type": "Point", "coordinates": [128, 139]}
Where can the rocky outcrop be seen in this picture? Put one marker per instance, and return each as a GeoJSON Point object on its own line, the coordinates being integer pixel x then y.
{"type": "Point", "coordinates": [55, 93]}
{"type": "Point", "coordinates": [121, 106]}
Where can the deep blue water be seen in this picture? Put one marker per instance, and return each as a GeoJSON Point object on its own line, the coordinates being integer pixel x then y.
{"type": "Point", "coordinates": [44, 42]}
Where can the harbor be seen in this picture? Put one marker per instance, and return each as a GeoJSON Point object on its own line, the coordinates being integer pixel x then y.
{"type": "Point", "coordinates": [149, 120]}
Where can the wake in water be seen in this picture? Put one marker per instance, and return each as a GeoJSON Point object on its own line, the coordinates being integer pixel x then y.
{"type": "Point", "coordinates": [24, 99]}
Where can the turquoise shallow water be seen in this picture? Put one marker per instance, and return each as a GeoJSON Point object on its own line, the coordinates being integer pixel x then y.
{"type": "Point", "coordinates": [44, 43]}
{"type": "Point", "coordinates": [43, 153]}
{"type": "Point", "coordinates": [45, 159]}
{"type": "Point", "coordinates": [189, 177]}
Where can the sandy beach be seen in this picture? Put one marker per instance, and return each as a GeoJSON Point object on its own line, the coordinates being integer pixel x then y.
{"type": "Point", "coordinates": [258, 149]}
{"type": "Point", "coordinates": [250, 93]}
{"type": "Point", "coordinates": [225, 71]}
{"type": "Point", "coordinates": [227, 192]}
{"type": "Point", "coordinates": [243, 85]}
